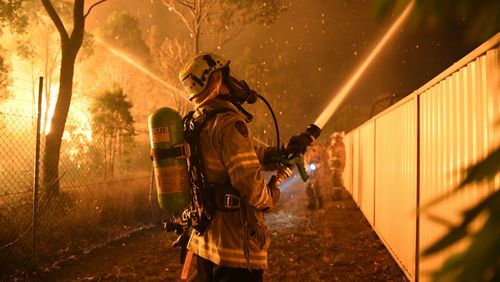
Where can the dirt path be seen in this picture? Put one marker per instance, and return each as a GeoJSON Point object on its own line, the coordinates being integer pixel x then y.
{"type": "Point", "coordinates": [331, 244]}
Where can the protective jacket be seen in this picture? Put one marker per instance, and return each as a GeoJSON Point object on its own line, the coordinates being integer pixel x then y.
{"type": "Point", "coordinates": [319, 156]}
{"type": "Point", "coordinates": [338, 156]}
{"type": "Point", "coordinates": [237, 238]}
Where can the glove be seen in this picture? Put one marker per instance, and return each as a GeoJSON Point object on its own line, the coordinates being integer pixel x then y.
{"type": "Point", "coordinates": [269, 161]}
{"type": "Point", "coordinates": [274, 190]}
{"type": "Point", "coordinates": [283, 173]}
{"type": "Point", "coordinates": [298, 144]}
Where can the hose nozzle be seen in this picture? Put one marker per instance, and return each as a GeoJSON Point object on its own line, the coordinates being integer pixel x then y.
{"type": "Point", "coordinates": [313, 131]}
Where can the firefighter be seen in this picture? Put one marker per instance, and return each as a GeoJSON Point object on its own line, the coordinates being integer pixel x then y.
{"type": "Point", "coordinates": [234, 246]}
{"type": "Point", "coordinates": [337, 159]}
{"type": "Point", "coordinates": [316, 163]}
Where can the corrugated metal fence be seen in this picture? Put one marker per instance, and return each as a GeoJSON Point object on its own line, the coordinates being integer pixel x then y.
{"type": "Point", "coordinates": [419, 149]}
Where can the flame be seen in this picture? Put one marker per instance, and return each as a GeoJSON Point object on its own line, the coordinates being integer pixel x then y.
{"type": "Point", "coordinates": [49, 113]}
{"type": "Point", "coordinates": [21, 107]}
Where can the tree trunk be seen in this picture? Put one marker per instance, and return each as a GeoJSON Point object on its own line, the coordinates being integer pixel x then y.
{"type": "Point", "coordinates": [70, 44]}
{"type": "Point", "coordinates": [51, 153]}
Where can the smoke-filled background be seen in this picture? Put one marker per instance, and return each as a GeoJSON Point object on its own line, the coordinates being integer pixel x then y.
{"type": "Point", "coordinates": [295, 53]}
{"type": "Point", "coordinates": [298, 53]}
{"type": "Point", "coordinates": [107, 65]}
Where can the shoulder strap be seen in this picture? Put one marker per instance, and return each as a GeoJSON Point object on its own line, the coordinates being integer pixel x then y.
{"type": "Point", "coordinates": [202, 198]}
{"type": "Point", "coordinates": [193, 126]}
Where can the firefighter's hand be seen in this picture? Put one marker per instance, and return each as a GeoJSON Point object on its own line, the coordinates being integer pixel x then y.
{"type": "Point", "coordinates": [270, 155]}
{"type": "Point", "coordinates": [274, 190]}
{"type": "Point", "coordinates": [298, 144]}
{"type": "Point", "coordinates": [181, 241]}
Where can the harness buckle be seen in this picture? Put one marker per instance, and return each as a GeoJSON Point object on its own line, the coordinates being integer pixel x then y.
{"type": "Point", "coordinates": [231, 201]}
{"type": "Point", "coordinates": [185, 150]}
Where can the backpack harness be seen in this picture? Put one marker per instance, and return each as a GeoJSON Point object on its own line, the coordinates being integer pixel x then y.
{"type": "Point", "coordinates": [206, 198]}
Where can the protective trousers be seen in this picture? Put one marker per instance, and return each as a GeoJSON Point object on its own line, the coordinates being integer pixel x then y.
{"type": "Point", "coordinates": [207, 271]}
{"type": "Point", "coordinates": [313, 192]}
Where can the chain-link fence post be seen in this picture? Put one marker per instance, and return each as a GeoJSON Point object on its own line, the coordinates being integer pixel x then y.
{"type": "Point", "coordinates": [36, 173]}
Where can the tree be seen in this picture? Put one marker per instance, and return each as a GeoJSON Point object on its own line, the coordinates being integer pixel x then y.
{"type": "Point", "coordinates": [121, 30]}
{"type": "Point", "coordinates": [113, 127]}
{"type": "Point", "coordinates": [171, 55]}
{"type": "Point", "coordinates": [13, 15]}
{"type": "Point", "coordinates": [228, 18]}
{"type": "Point", "coordinates": [5, 79]}
{"type": "Point", "coordinates": [70, 45]}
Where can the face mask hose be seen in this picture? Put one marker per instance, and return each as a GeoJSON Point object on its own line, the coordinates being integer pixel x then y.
{"type": "Point", "coordinates": [278, 144]}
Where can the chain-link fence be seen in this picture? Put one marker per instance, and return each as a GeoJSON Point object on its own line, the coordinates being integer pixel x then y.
{"type": "Point", "coordinates": [99, 199]}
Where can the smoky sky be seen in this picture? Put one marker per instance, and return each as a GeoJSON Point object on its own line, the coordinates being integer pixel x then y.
{"type": "Point", "coordinates": [325, 41]}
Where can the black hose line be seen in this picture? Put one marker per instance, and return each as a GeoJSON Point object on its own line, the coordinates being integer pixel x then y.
{"type": "Point", "coordinates": [278, 145]}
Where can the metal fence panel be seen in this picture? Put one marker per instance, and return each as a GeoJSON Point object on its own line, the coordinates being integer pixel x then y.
{"type": "Point", "coordinates": [396, 182]}
{"type": "Point", "coordinates": [457, 130]}
{"type": "Point", "coordinates": [367, 170]}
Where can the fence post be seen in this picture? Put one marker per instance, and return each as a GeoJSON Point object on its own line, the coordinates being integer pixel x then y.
{"type": "Point", "coordinates": [36, 174]}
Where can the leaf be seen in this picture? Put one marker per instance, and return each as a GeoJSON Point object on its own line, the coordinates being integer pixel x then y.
{"type": "Point", "coordinates": [483, 170]}
{"type": "Point", "coordinates": [446, 273]}
{"type": "Point", "coordinates": [483, 255]}
{"type": "Point", "coordinates": [486, 169]}
{"type": "Point", "coordinates": [457, 233]}
{"type": "Point", "coordinates": [453, 236]}
{"type": "Point", "coordinates": [487, 204]}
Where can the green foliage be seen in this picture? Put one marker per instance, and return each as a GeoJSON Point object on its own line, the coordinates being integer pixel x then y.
{"type": "Point", "coordinates": [122, 30]}
{"type": "Point", "coordinates": [483, 16]}
{"type": "Point", "coordinates": [481, 260]}
{"type": "Point", "coordinates": [263, 12]}
{"type": "Point", "coordinates": [5, 79]}
{"type": "Point", "coordinates": [13, 15]}
{"type": "Point", "coordinates": [228, 18]}
{"type": "Point", "coordinates": [87, 47]}
{"type": "Point", "coordinates": [113, 128]}
{"type": "Point", "coordinates": [486, 169]}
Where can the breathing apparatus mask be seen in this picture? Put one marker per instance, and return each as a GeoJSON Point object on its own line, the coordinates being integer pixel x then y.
{"type": "Point", "coordinates": [238, 89]}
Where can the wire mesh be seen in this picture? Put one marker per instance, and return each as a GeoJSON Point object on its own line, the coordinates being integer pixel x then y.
{"type": "Point", "coordinates": [99, 198]}
{"type": "Point", "coordinates": [17, 147]}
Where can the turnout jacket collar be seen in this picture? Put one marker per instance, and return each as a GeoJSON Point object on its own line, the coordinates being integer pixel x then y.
{"type": "Point", "coordinates": [216, 104]}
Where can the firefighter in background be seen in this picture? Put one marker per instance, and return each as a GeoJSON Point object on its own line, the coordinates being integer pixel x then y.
{"type": "Point", "coordinates": [234, 246]}
{"type": "Point", "coordinates": [316, 163]}
{"type": "Point", "coordinates": [337, 159]}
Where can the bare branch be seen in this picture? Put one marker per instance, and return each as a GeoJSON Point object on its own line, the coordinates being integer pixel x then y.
{"type": "Point", "coordinates": [186, 4]}
{"type": "Point", "coordinates": [91, 7]}
{"type": "Point", "coordinates": [56, 19]}
{"type": "Point", "coordinates": [78, 23]}
{"type": "Point", "coordinates": [172, 8]}
{"type": "Point", "coordinates": [204, 14]}
{"type": "Point", "coordinates": [231, 36]}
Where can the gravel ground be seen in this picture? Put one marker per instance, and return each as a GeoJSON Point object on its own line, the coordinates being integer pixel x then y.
{"type": "Point", "coordinates": [334, 243]}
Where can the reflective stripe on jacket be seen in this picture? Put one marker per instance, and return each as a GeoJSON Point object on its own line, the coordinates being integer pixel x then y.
{"type": "Point", "coordinates": [234, 238]}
